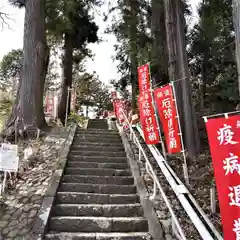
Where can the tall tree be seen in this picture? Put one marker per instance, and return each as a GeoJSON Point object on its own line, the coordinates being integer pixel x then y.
{"type": "Point", "coordinates": [91, 92]}
{"type": "Point", "coordinates": [211, 52]}
{"type": "Point", "coordinates": [133, 4]}
{"type": "Point", "coordinates": [77, 27]}
{"type": "Point", "coordinates": [130, 24]}
{"type": "Point", "coordinates": [236, 21]}
{"type": "Point", "coordinates": [159, 57]}
{"type": "Point", "coordinates": [28, 108]}
{"type": "Point", "coordinates": [178, 70]}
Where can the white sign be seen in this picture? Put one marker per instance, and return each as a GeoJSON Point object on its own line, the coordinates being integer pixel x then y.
{"type": "Point", "coordinates": [9, 157]}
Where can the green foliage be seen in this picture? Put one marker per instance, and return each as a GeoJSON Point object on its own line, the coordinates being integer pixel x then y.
{"type": "Point", "coordinates": [212, 54]}
{"type": "Point", "coordinates": [5, 107]}
{"type": "Point", "coordinates": [72, 17]}
{"type": "Point", "coordinates": [5, 110]}
{"type": "Point", "coordinates": [10, 69]}
{"type": "Point", "coordinates": [92, 92]}
{"type": "Point", "coordinates": [121, 19]}
{"type": "Point", "coordinates": [74, 117]}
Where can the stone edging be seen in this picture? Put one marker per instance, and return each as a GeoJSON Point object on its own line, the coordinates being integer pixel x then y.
{"type": "Point", "coordinates": [155, 227]}
{"type": "Point", "coordinates": [44, 212]}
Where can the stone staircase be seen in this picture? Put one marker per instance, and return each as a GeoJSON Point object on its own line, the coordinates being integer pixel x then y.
{"type": "Point", "coordinates": [97, 198]}
{"type": "Point", "coordinates": [97, 124]}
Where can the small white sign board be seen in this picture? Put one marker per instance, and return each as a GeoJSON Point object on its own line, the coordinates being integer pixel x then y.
{"type": "Point", "coordinates": [9, 159]}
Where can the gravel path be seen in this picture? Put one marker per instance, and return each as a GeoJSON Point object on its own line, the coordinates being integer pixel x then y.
{"type": "Point", "coordinates": [20, 206]}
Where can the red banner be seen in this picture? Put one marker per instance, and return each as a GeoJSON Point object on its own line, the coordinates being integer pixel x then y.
{"type": "Point", "coordinates": [147, 118]}
{"type": "Point", "coordinates": [168, 115]}
{"type": "Point", "coordinates": [119, 108]}
{"type": "Point", "coordinates": [50, 103]}
{"type": "Point", "coordinates": [73, 99]}
{"type": "Point", "coordinates": [143, 78]}
{"type": "Point", "coordinates": [224, 141]}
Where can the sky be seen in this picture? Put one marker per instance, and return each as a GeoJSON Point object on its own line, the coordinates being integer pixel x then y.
{"type": "Point", "coordinates": [11, 37]}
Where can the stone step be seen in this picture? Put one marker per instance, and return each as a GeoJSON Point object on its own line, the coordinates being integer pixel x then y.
{"type": "Point", "coordinates": [97, 124]}
{"type": "Point", "coordinates": [98, 153]}
{"type": "Point", "coordinates": [82, 198]}
{"type": "Point", "coordinates": [98, 179]}
{"type": "Point", "coordinates": [94, 131]}
{"type": "Point", "coordinates": [72, 169]}
{"type": "Point", "coordinates": [98, 159]}
{"type": "Point", "coordinates": [98, 210]}
{"type": "Point", "coordinates": [84, 147]}
{"type": "Point", "coordinates": [98, 224]}
{"type": "Point", "coordinates": [98, 236]}
{"type": "Point", "coordinates": [97, 188]}
{"type": "Point", "coordinates": [79, 164]}
{"type": "Point", "coordinates": [102, 144]}
{"type": "Point", "coordinates": [97, 135]}
{"type": "Point", "coordinates": [94, 139]}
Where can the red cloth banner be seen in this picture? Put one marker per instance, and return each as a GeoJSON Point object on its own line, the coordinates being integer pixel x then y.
{"type": "Point", "coordinates": [143, 78]}
{"type": "Point", "coordinates": [224, 141]}
{"type": "Point", "coordinates": [50, 103]}
{"type": "Point", "coordinates": [168, 115]}
{"type": "Point", "coordinates": [119, 108]}
{"type": "Point", "coordinates": [147, 118]}
{"type": "Point", "coordinates": [73, 99]}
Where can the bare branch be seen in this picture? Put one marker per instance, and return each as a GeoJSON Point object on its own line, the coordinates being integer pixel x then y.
{"type": "Point", "coordinates": [4, 19]}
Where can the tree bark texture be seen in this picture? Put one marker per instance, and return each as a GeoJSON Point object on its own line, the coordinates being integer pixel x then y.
{"type": "Point", "coordinates": [28, 108]}
{"type": "Point", "coordinates": [191, 133]}
{"type": "Point", "coordinates": [133, 50]}
{"type": "Point", "coordinates": [236, 22]}
{"type": "Point", "coordinates": [159, 66]}
{"type": "Point", "coordinates": [179, 72]}
{"type": "Point", "coordinates": [67, 77]}
{"type": "Point", "coordinates": [173, 69]}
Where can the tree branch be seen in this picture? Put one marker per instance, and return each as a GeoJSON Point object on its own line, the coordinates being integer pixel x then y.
{"type": "Point", "coordinates": [4, 17]}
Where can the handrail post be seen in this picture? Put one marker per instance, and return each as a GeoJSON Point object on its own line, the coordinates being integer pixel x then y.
{"type": "Point", "coordinates": [150, 171]}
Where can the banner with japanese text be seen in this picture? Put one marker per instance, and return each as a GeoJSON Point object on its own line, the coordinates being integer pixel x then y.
{"type": "Point", "coordinates": [168, 116]}
{"type": "Point", "coordinates": [143, 78]}
{"type": "Point", "coordinates": [147, 119]}
{"type": "Point", "coordinates": [119, 108]}
{"type": "Point", "coordinates": [224, 141]}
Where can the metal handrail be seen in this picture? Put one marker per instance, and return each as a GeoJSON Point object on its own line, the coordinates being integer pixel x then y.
{"type": "Point", "coordinates": [180, 190]}
{"type": "Point", "coordinates": [154, 177]}
{"type": "Point", "coordinates": [178, 187]}
{"type": "Point", "coordinates": [203, 214]}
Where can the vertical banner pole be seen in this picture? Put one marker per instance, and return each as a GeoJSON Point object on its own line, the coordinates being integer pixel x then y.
{"type": "Point", "coordinates": [213, 199]}
{"type": "Point", "coordinates": [185, 169]}
{"type": "Point", "coordinates": [66, 115]}
{"type": "Point", "coordinates": [16, 130]}
{"type": "Point", "coordinates": [4, 182]}
{"type": "Point", "coordinates": [155, 112]}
